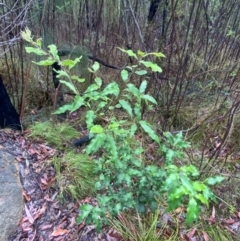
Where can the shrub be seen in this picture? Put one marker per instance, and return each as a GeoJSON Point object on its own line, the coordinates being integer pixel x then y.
{"type": "Point", "coordinates": [125, 182]}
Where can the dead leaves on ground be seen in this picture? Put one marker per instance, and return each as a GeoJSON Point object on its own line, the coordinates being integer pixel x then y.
{"type": "Point", "coordinates": [45, 218]}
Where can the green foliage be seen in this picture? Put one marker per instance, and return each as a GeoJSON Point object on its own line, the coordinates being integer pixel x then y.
{"type": "Point", "coordinates": [183, 189]}
{"type": "Point", "coordinates": [74, 175]}
{"type": "Point", "coordinates": [54, 134]}
{"type": "Point", "coordinates": [125, 182]}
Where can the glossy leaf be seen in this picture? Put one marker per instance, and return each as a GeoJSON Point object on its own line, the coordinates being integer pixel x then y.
{"type": "Point", "coordinates": [153, 66]}
{"type": "Point", "coordinates": [96, 129]}
{"type": "Point", "coordinates": [36, 51]}
{"type": "Point", "coordinates": [95, 66]}
{"type": "Point", "coordinates": [111, 88]}
{"type": "Point", "coordinates": [140, 72]}
{"type": "Point", "coordinates": [80, 80]}
{"type": "Point", "coordinates": [148, 129]}
{"type": "Point", "coordinates": [69, 85]}
{"type": "Point", "coordinates": [149, 98]}
{"type": "Point", "coordinates": [77, 103]}
{"type": "Point", "coordinates": [61, 73]}
{"type": "Point", "coordinates": [90, 117]}
{"type": "Point", "coordinates": [192, 211]}
{"type": "Point", "coordinates": [124, 75]}
{"type": "Point", "coordinates": [129, 52]}
{"type": "Point", "coordinates": [53, 50]}
{"type": "Point", "coordinates": [126, 106]}
{"type": "Point", "coordinates": [98, 81]}
{"type": "Point", "coordinates": [214, 180]}
{"type": "Point", "coordinates": [46, 62]}
{"type": "Point", "coordinates": [143, 86]}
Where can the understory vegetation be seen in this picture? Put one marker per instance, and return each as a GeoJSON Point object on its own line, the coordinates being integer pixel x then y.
{"type": "Point", "coordinates": [114, 164]}
{"type": "Point", "coordinates": [154, 87]}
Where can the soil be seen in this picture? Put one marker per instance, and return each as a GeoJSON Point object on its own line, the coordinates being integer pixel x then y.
{"type": "Point", "coordinates": [44, 216]}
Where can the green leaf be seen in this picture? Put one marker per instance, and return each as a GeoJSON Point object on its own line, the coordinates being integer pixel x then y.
{"type": "Point", "coordinates": [176, 194]}
{"type": "Point", "coordinates": [90, 117]}
{"type": "Point", "coordinates": [140, 53]}
{"type": "Point", "coordinates": [113, 126]}
{"type": "Point", "coordinates": [126, 106]}
{"type": "Point", "coordinates": [39, 42]}
{"type": "Point", "coordinates": [129, 52]}
{"type": "Point", "coordinates": [80, 80]}
{"type": "Point", "coordinates": [153, 66]}
{"type": "Point", "coordinates": [149, 98]}
{"type": "Point", "coordinates": [140, 72]}
{"type": "Point", "coordinates": [77, 103]}
{"type": "Point", "coordinates": [97, 129]}
{"type": "Point", "coordinates": [192, 211]}
{"type": "Point", "coordinates": [98, 81]}
{"type": "Point", "coordinates": [53, 50]}
{"type": "Point", "coordinates": [179, 142]}
{"type": "Point", "coordinates": [69, 85]}
{"type": "Point", "coordinates": [46, 62]}
{"type": "Point", "coordinates": [208, 193]}
{"type": "Point", "coordinates": [91, 88]}
{"type": "Point", "coordinates": [111, 147]}
{"type": "Point", "coordinates": [96, 143]}
{"type": "Point", "coordinates": [170, 155]}
{"type": "Point", "coordinates": [111, 88]}
{"type": "Point", "coordinates": [199, 186]}
{"type": "Point", "coordinates": [133, 90]}
{"type": "Point", "coordinates": [36, 51]}
{"type": "Point", "coordinates": [191, 169]}
{"type": "Point", "coordinates": [148, 129]}
{"type": "Point", "coordinates": [26, 35]}
{"type": "Point", "coordinates": [61, 73]}
{"type": "Point", "coordinates": [63, 109]}
{"type": "Point", "coordinates": [70, 63]}
{"type": "Point", "coordinates": [143, 87]}
{"type": "Point", "coordinates": [202, 199]}
{"type": "Point", "coordinates": [133, 129]}
{"type": "Point", "coordinates": [118, 208]}
{"type": "Point", "coordinates": [159, 54]}
{"type": "Point", "coordinates": [187, 184]}
{"type": "Point", "coordinates": [137, 111]}
{"type": "Point", "coordinates": [85, 210]}
{"type": "Point", "coordinates": [214, 180]}
{"type": "Point", "coordinates": [101, 105]}
{"type": "Point", "coordinates": [95, 66]}
{"type": "Point", "coordinates": [124, 75]}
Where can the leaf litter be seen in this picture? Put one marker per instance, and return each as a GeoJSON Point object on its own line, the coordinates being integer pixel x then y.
{"type": "Point", "coordinates": [46, 218]}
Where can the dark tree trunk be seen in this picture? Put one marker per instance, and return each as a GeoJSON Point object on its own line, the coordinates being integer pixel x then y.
{"type": "Point", "coordinates": [8, 115]}
{"type": "Point", "coordinates": [153, 9]}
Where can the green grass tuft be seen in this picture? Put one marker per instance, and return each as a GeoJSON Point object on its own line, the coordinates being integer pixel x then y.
{"type": "Point", "coordinates": [74, 175]}
{"type": "Point", "coordinates": [56, 135]}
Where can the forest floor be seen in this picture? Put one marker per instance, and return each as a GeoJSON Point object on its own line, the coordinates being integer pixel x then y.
{"type": "Point", "coordinates": [47, 218]}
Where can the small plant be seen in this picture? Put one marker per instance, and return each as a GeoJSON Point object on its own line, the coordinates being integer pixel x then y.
{"type": "Point", "coordinates": [74, 175]}
{"type": "Point", "coordinates": [54, 134]}
{"type": "Point", "coordinates": [125, 182]}
{"type": "Point", "coordinates": [138, 228]}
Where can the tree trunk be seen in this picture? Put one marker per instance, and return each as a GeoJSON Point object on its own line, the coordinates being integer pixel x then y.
{"type": "Point", "coordinates": [8, 115]}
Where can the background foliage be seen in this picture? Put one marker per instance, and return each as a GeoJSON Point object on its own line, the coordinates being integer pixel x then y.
{"type": "Point", "coordinates": [196, 91]}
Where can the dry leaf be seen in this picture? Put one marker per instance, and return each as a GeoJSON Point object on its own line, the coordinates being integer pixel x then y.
{"type": "Point", "coordinates": [191, 233]}
{"type": "Point", "coordinates": [29, 215]}
{"type": "Point", "coordinates": [212, 219]}
{"type": "Point", "coordinates": [205, 236]}
{"type": "Point", "coordinates": [59, 232]}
